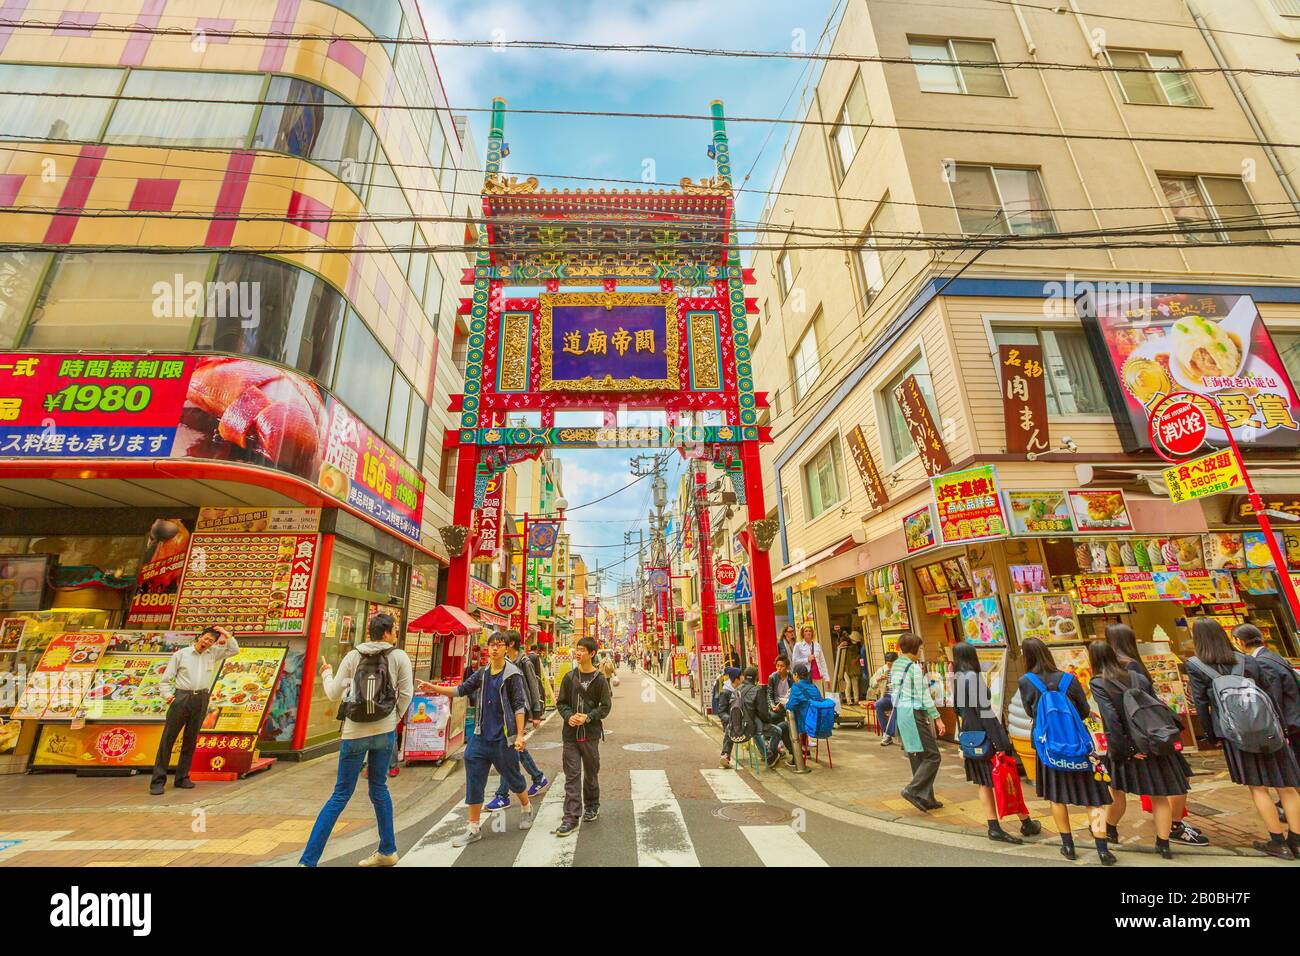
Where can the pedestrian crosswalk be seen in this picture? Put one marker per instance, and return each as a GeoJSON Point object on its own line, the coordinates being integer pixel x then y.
{"type": "Point", "coordinates": [660, 834]}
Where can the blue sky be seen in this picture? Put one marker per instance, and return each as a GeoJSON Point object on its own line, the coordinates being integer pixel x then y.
{"type": "Point", "coordinates": [626, 148]}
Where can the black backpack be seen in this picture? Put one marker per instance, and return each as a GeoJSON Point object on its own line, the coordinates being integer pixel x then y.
{"type": "Point", "coordinates": [374, 696]}
{"type": "Point", "coordinates": [740, 720]}
{"type": "Point", "coordinates": [1152, 729]}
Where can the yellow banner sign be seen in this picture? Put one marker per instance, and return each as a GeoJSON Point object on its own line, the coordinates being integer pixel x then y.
{"type": "Point", "coordinates": [1208, 475]}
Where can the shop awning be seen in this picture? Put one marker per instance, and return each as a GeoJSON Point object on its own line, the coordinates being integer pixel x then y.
{"type": "Point", "coordinates": [806, 565]}
{"type": "Point", "coordinates": [445, 619]}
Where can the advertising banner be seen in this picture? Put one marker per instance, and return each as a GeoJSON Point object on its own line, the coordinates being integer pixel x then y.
{"type": "Point", "coordinates": [100, 745]}
{"type": "Point", "coordinates": [1099, 589]}
{"type": "Point", "coordinates": [1024, 398]}
{"type": "Point", "coordinates": [65, 672]}
{"type": "Point", "coordinates": [968, 505]}
{"type": "Point", "coordinates": [242, 690]}
{"type": "Point", "coordinates": [127, 687]}
{"type": "Point", "coordinates": [482, 594]}
{"type": "Point", "coordinates": [1137, 586]}
{"type": "Point", "coordinates": [1100, 510]}
{"type": "Point", "coordinates": [259, 520]}
{"type": "Point", "coordinates": [981, 622]}
{"type": "Point", "coordinates": [1038, 513]}
{"type": "Point", "coordinates": [250, 583]}
{"type": "Point", "coordinates": [486, 533]}
{"type": "Point", "coordinates": [1201, 477]}
{"type": "Point", "coordinates": [876, 493]}
{"type": "Point", "coordinates": [154, 600]}
{"type": "Point", "coordinates": [918, 529]}
{"type": "Point", "coordinates": [221, 408]}
{"type": "Point", "coordinates": [426, 727]}
{"type": "Point", "coordinates": [920, 426]}
{"type": "Point", "coordinates": [1149, 346]}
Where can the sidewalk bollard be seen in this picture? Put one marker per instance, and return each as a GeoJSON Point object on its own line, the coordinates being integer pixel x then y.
{"type": "Point", "coordinates": [796, 747]}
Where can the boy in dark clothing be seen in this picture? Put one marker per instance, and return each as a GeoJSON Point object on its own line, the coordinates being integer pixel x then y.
{"type": "Point", "coordinates": [584, 700]}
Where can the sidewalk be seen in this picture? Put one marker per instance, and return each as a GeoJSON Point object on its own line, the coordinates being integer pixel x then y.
{"type": "Point", "coordinates": [867, 778]}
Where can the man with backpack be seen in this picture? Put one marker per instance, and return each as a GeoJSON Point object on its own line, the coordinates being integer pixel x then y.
{"type": "Point", "coordinates": [536, 707]}
{"type": "Point", "coordinates": [375, 684]}
{"type": "Point", "coordinates": [500, 707]}
{"type": "Point", "coordinates": [751, 716]}
{"type": "Point", "coordinates": [724, 701]}
{"type": "Point", "coordinates": [584, 701]}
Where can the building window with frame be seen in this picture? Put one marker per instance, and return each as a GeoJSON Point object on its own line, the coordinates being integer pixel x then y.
{"type": "Point", "coordinates": [785, 272]}
{"type": "Point", "coordinates": [156, 118]}
{"type": "Point", "coordinates": [871, 274]}
{"type": "Point", "coordinates": [1073, 385]}
{"type": "Point", "coordinates": [997, 200]}
{"type": "Point", "coordinates": [956, 66]}
{"type": "Point", "coordinates": [806, 361]}
{"type": "Point", "coordinates": [1171, 85]}
{"type": "Point", "coordinates": [850, 126]}
{"type": "Point", "coordinates": [1205, 206]}
{"type": "Point", "coordinates": [25, 116]}
{"type": "Point", "coordinates": [824, 479]}
{"type": "Point", "coordinates": [897, 440]}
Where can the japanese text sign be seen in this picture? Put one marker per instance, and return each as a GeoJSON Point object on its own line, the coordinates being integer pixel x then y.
{"type": "Point", "coordinates": [876, 493]}
{"type": "Point", "coordinates": [1024, 398]}
{"type": "Point", "coordinates": [920, 426]}
{"type": "Point", "coordinates": [968, 505]}
{"type": "Point", "coordinates": [1201, 477]}
{"type": "Point", "coordinates": [488, 519]}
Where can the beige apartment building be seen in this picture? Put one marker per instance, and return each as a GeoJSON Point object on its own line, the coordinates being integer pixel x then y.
{"type": "Point", "coordinates": [1152, 145]}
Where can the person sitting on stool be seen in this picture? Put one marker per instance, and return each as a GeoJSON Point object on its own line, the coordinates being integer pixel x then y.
{"type": "Point", "coordinates": [186, 682]}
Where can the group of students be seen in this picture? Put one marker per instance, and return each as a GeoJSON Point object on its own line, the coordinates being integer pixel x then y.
{"type": "Point", "coordinates": [1249, 702]}
{"type": "Point", "coordinates": [752, 711]}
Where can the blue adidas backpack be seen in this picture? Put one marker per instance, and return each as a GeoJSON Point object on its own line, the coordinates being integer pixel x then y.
{"type": "Point", "coordinates": [819, 718]}
{"type": "Point", "coordinates": [1060, 738]}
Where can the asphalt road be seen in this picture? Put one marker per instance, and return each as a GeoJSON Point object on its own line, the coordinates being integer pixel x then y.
{"type": "Point", "coordinates": [665, 802]}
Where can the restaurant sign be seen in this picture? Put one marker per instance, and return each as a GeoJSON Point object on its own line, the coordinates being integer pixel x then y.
{"type": "Point", "coordinates": [968, 505]}
{"type": "Point", "coordinates": [921, 427]}
{"type": "Point", "coordinates": [876, 493]}
{"type": "Point", "coordinates": [1024, 398]}
{"type": "Point", "coordinates": [589, 344]}
{"type": "Point", "coordinates": [1201, 477]}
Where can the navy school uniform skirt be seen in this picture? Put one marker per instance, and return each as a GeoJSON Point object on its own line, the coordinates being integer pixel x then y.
{"type": "Point", "coordinates": [1076, 788]}
{"type": "Point", "coordinates": [1152, 777]}
{"type": "Point", "coordinates": [979, 772]}
{"type": "Point", "coordinates": [1278, 769]}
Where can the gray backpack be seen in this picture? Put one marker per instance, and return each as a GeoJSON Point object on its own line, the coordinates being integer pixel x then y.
{"type": "Point", "coordinates": [1244, 713]}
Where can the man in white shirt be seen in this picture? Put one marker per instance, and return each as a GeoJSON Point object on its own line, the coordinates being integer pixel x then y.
{"type": "Point", "coordinates": [187, 681]}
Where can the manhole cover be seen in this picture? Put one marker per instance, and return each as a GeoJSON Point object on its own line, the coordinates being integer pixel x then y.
{"type": "Point", "coordinates": [751, 813]}
{"type": "Point", "coordinates": [645, 748]}
{"type": "Point", "coordinates": [1202, 810]}
{"type": "Point", "coordinates": [545, 745]}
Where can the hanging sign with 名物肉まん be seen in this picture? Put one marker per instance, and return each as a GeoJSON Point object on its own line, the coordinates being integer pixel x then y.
{"type": "Point", "coordinates": [1024, 398]}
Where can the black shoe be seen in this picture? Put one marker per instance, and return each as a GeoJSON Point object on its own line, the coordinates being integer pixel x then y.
{"type": "Point", "coordinates": [186, 784]}
{"type": "Point", "coordinates": [1107, 858]}
{"type": "Point", "coordinates": [1163, 848]}
{"type": "Point", "coordinates": [1186, 835]}
{"type": "Point", "coordinates": [1030, 828]}
{"type": "Point", "coordinates": [591, 815]}
{"type": "Point", "coordinates": [566, 828]}
{"type": "Point", "coordinates": [934, 804]}
{"type": "Point", "coordinates": [1112, 833]}
{"type": "Point", "coordinates": [1293, 843]}
{"type": "Point", "coordinates": [1274, 849]}
{"type": "Point", "coordinates": [157, 789]}
{"type": "Point", "coordinates": [1002, 836]}
{"type": "Point", "coordinates": [1067, 851]}
{"type": "Point", "coordinates": [916, 802]}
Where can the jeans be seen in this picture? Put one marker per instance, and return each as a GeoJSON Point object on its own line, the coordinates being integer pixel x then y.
{"type": "Point", "coordinates": [480, 757]}
{"type": "Point", "coordinates": [888, 724]}
{"type": "Point", "coordinates": [184, 716]}
{"type": "Point", "coordinates": [377, 751]}
{"type": "Point", "coordinates": [581, 777]}
{"type": "Point", "coordinates": [527, 765]}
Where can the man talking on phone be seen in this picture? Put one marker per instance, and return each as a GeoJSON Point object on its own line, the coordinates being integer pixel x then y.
{"type": "Point", "coordinates": [187, 682]}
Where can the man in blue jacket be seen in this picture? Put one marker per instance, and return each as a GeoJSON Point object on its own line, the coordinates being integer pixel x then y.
{"type": "Point", "coordinates": [500, 705]}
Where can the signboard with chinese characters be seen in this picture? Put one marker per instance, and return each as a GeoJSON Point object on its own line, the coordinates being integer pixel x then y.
{"type": "Point", "coordinates": [921, 427]}
{"type": "Point", "coordinates": [1097, 589]}
{"type": "Point", "coordinates": [127, 687]}
{"type": "Point", "coordinates": [100, 745]}
{"type": "Point", "coordinates": [243, 689]}
{"type": "Point", "coordinates": [1135, 586]}
{"type": "Point", "coordinates": [486, 534]}
{"type": "Point", "coordinates": [65, 671]}
{"type": "Point", "coordinates": [619, 342]}
{"type": "Point", "coordinates": [250, 583]}
{"type": "Point", "coordinates": [1240, 510]}
{"type": "Point", "coordinates": [1024, 398]}
{"type": "Point", "coordinates": [876, 494]}
{"type": "Point", "coordinates": [1038, 513]}
{"type": "Point", "coordinates": [1151, 345]}
{"type": "Point", "coordinates": [1210, 474]}
{"type": "Point", "coordinates": [259, 520]}
{"type": "Point", "coordinates": [918, 529]}
{"type": "Point", "coordinates": [159, 576]}
{"type": "Point", "coordinates": [968, 505]}
{"type": "Point", "coordinates": [1099, 510]}
{"type": "Point", "coordinates": [361, 469]}
{"type": "Point", "coordinates": [482, 594]}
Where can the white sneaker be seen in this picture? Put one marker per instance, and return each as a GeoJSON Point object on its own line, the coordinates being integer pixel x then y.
{"type": "Point", "coordinates": [379, 859]}
{"type": "Point", "coordinates": [725, 763]}
{"type": "Point", "coordinates": [468, 837]}
{"type": "Point", "coordinates": [526, 821]}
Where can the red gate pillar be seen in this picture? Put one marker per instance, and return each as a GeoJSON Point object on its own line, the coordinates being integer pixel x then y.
{"type": "Point", "coordinates": [760, 567]}
{"type": "Point", "coordinates": [462, 514]}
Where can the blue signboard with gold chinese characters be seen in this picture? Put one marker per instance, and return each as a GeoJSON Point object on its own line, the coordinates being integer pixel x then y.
{"type": "Point", "coordinates": [610, 342]}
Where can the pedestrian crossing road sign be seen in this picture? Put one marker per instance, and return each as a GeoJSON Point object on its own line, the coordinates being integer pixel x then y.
{"type": "Point", "coordinates": [744, 589]}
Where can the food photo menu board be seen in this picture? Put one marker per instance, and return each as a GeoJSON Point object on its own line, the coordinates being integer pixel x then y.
{"type": "Point", "coordinates": [249, 583]}
{"type": "Point", "coordinates": [66, 670]}
{"type": "Point", "coordinates": [243, 690]}
{"type": "Point", "coordinates": [127, 687]}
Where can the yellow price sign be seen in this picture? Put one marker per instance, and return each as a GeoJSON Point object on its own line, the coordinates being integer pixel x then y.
{"type": "Point", "coordinates": [1210, 474]}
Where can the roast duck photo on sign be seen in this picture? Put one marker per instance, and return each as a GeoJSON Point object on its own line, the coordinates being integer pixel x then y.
{"type": "Point", "coordinates": [239, 410]}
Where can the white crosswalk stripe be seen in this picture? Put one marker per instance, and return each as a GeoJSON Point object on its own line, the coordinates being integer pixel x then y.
{"type": "Point", "coordinates": [542, 847]}
{"type": "Point", "coordinates": [781, 846]}
{"type": "Point", "coordinates": [661, 835]}
{"type": "Point", "coordinates": [730, 787]}
{"type": "Point", "coordinates": [434, 848]}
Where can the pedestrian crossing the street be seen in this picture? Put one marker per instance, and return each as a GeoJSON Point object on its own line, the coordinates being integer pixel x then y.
{"type": "Point", "coordinates": [650, 830]}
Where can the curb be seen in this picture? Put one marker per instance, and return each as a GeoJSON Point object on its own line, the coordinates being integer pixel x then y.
{"type": "Point", "coordinates": [795, 783]}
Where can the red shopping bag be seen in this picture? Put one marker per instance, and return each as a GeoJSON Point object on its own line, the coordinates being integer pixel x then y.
{"type": "Point", "coordinates": [1007, 794]}
{"type": "Point", "coordinates": [1146, 806]}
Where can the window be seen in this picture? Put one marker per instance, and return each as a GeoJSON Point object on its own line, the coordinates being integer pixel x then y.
{"type": "Point", "coordinates": [318, 126]}
{"type": "Point", "coordinates": [898, 441]}
{"type": "Point", "coordinates": [399, 410]}
{"type": "Point", "coordinates": [871, 275]}
{"type": "Point", "coordinates": [415, 429]}
{"type": "Point", "coordinates": [297, 320]}
{"type": "Point", "coordinates": [20, 273]}
{"type": "Point", "coordinates": [23, 116]}
{"type": "Point", "coordinates": [147, 122]}
{"type": "Point", "coordinates": [114, 300]}
{"type": "Point", "coordinates": [1170, 87]}
{"type": "Point", "coordinates": [433, 292]}
{"type": "Point", "coordinates": [824, 479]}
{"type": "Point", "coordinates": [1073, 385]}
{"type": "Point", "coordinates": [807, 363]}
{"type": "Point", "coordinates": [1287, 8]}
{"type": "Point", "coordinates": [386, 200]}
{"type": "Point", "coordinates": [785, 272]}
{"type": "Point", "coordinates": [1288, 347]}
{"type": "Point", "coordinates": [952, 66]}
{"type": "Point", "coordinates": [848, 131]}
{"type": "Point", "coordinates": [365, 376]}
{"type": "Point", "coordinates": [383, 18]}
{"type": "Point", "coordinates": [1205, 205]}
{"type": "Point", "coordinates": [997, 201]}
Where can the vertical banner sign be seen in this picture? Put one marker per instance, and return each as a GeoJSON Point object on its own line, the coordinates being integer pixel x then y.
{"type": "Point", "coordinates": [876, 493]}
{"type": "Point", "coordinates": [920, 425]}
{"type": "Point", "coordinates": [487, 521]}
{"type": "Point", "coordinates": [1024, 398]}
{"type": "Point", "coordinates": [160, 575]}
